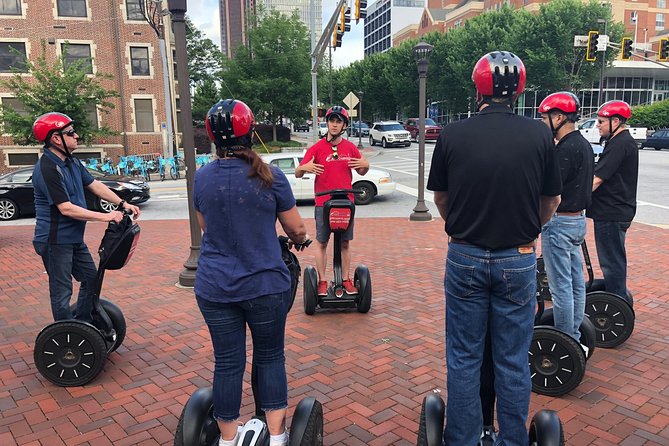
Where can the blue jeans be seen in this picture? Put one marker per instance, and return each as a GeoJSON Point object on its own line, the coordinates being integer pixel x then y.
{"type": "Point", "coordinates": [610, 243]}
{"type": "Point", "coordinates": [266, 317]}
{"type": "Point", "coordinates": [561, 240]}
{"type": "Point", "coordinates": [495, 287]}
{"type": "Point", "coordinates": [62, 262]}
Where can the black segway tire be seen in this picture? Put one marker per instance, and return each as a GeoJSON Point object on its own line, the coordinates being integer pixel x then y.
{"type": "Point", "coordinates": [363, 282]}
{"type": "Point", "coordinates": [115, 315]}
{"type": "Point", "coordinates": [197, 426]}
{"type": "Point", "coordinates": [599, 285]}
{"type": "Point", "coordinates": [556, 361]}
{"type": "Point", "coordinates": [587, 329]}
{"type": "Point", "coordinates": [431, 425]}
{"type": "Point", "coordinates": [546, 429]}
{"type": "Point", "coordinates": [310, 290]}
{"type": "Point", "coordinates": [70, 353]}
{"type": "Point", "coordinates": [306, 429]}
{"type": "Point", "coordinates": [612, 317]}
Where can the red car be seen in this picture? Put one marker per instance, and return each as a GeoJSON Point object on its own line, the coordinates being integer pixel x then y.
{"type": "Point", "coordinates": [432, 129]}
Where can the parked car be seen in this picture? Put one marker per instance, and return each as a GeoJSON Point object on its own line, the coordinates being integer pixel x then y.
{"type": "Point", "coordinates": [16, 193]}
{"type": "Point", "coordinates": [357, 128]}
{"type": "Point", "coordinates": [658, 140]}
{"type": "Point", "coordinates": [374, 183]}
{"type": "Point", "coordinates": [322, 129]}
{"type": "Point", "coordinates": [389, 133]}
{"type": "Point", "coordinates": [589, 130]}
{"type": "Point", "coordinates": [304, 127]}
{"type": "Point", "coordinates": [432, 129]}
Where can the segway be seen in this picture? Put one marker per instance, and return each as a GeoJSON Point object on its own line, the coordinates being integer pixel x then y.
{"type": "Point", "coordinates": [612, 315]}
{"type": "Point", "coordinates": [338, 213]}
{"type": "Point", "coordinates": [197, 426]}
{"type": "Point", "coordinates": [72, 352]}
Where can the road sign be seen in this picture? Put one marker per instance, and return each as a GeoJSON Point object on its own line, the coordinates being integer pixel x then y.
{"type": "Point", "coordinates": [582, 41]}
{"type": "Point", "coordinates": [351, 100]}
{"type": "Point", "coordinates": [353, 113]}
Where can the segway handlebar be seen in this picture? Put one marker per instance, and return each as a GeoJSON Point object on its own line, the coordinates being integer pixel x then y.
{"type": "Point", "coordinates": [289, 243]}
{"type": "Point", "coordinates": [339, 192]}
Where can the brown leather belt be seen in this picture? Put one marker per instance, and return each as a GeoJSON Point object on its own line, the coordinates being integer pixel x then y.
{"type": "Point", "coordinates": [530, 245]}
{"type": "Point", "coordinates": [571, 214]}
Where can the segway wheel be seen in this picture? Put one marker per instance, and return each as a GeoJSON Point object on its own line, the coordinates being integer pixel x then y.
{"type": "Point", "coordinates": [431, 425]}
{"type": "Point", "coordinates": [599, 285]}
{"type": "Point", "coordinates": [546, 429]}
{"type": "Point", "coordinates": [197, 426]}
{"type": "Point", "coordinates": [557, 362]}
{"type": "Point", "coordinates": [115, 315]}
{"type": "Point", "coordinates": [612, 317]}
{"type": "Point", "coordinates": [309, 292]}
{"type": "Point", "coordinates": [306, 429]}
{"type": "Point", "coordinates": [70, 353]}
{"type": "Point", "coordinates": [587, 330]}
{"type": "Point", "coordinates": [363, 282]}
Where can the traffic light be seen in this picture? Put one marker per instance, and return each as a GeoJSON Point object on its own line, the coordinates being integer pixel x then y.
{"type": "Point", "coordinates": [345, 24]}
{"type": "Point", "coordinates": [360, 10]}
{"type": "Point", "coordinates": [626, 48]}
{"type": "Point", "coordinates": [663, 56]}
{"type": "Point", "coordinates": [336, 37]}
{"type": "Point", "coordinates": [591, 50]}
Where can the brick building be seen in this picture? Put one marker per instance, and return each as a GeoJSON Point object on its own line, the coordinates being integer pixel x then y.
{"type": "Point", "coordinates": [118, 41]}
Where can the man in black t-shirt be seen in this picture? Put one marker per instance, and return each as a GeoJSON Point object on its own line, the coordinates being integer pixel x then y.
{"type": "Point", "coordinates": [496, 180]}
{"type": "Point", "coordinates": [614, 193]}
{"type": "Point", "coordinates": [563, 235]}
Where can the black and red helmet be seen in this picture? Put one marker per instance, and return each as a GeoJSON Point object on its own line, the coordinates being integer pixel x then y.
{"type": "Point", "coordinates": [499, 74]}
{"type": "Point", "coordinates": [45, 125]}
{"type": "Point", "coordinates": [228, 121]}
{"type": "Point", "coordinates": [337, 110]}
{"type": "Point", "coordinates": [612, 109]}
{"type": "Point", "coordinates": [563, 101]}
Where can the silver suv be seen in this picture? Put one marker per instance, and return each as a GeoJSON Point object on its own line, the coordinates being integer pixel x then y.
{"type": "Point", "coordinates": [389, 133]}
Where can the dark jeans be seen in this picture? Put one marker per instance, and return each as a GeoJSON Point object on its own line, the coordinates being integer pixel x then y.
{"type": "Point", "coordinates": [62, 262]}
{"type": "Point", "coordinates": [266, 318]}
{"type": "Point", "coordinates": [610, 243]}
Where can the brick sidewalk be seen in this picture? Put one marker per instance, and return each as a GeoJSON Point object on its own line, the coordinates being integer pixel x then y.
{"type": "Point", "coordinates": [370, 371]}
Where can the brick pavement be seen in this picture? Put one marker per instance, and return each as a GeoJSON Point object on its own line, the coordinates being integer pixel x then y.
{"type": "Point", "coordinates": [369, 371]}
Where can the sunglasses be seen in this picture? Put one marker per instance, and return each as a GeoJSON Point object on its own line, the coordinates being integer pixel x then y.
{"type": "Point", "coordinates": [71, 132]}
{"type": "Point", "coordinates": [335, 155]}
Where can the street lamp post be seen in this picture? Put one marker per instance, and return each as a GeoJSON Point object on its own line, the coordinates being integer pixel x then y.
{"type": "Point", "coordinates": [421, 54]}
{"type": "Point", "coordinates": [600, 98]}
{"type": "Point", "coordinates": [178, 9]}
{"type": "Point", "coordinates": [359, 121]}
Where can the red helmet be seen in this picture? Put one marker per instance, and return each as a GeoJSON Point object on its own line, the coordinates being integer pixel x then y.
{"type": "Point", "coordinates": [337, 110]}
{"type": "Point", "coordinates": [615, 108]}
{"type": "Point", "coordinates": [48, 123]}
{"type": "Point", "coordinates": [228, 120]}
{"type": "Point", "coordinates": [499, 74]}
{"type": "Point", "coordinates": [564, 101]}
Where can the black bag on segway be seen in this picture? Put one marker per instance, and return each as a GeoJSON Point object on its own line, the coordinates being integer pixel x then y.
{"type": "Point", "coordinates": [118, 243]}
{"type": "Point", "coordinates": [290, 259]}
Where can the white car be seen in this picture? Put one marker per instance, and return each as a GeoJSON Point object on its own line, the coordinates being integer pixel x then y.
{"type": "Point", "coordinates": [389, 133]}
{"type": "Point", "coordinates": [374, 182]}
{"type": "Point", "coordinates": [322, 129]}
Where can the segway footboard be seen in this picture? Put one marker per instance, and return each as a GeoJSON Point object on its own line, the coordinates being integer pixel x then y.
{"type": "Point", "coordinates": [431, 425]}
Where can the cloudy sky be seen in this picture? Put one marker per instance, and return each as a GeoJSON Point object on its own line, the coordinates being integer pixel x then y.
{"type": "Point", "coordinates": [204, 13]}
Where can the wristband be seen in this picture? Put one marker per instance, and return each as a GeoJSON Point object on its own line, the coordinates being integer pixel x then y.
{"type": "Point", "coordinates": [120, 205]}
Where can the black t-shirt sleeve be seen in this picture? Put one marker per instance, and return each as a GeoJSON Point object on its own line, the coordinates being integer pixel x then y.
{"type": "Point", "coordinates": [55, 187]}
{"type": "Point", "coordinates": [438, 178]}
{"type": "Point", "coordinates": [609, 161]}
{"type": "Point", "coordinates": [552, 185]}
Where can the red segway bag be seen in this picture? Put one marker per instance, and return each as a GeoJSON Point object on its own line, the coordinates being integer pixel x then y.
{"type": "Point", "coordinates": [339, 214]}
{"type": "Point", "coordinates": [118, 243]}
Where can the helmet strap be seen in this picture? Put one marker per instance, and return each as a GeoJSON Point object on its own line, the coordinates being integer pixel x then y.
{"type": "Point", "coordinates": [611, 131]}
{"type": "Point", "coordinates": [64, 151]}
{"type": "Point", "coordinates": [555, 130]}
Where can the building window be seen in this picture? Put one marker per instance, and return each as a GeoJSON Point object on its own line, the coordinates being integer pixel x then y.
{"type": "Point", "coordinates": [78, 53]}
{"type": "Point", "coordinates": [16, 105]}
{"type": "Point", "coordinates": [139, 61]}
{"type": "Point", "coordinates": [10, 7]}
{"type": "Point", "coordinates": [144, 115]}
{"type": "Point", "coordinates": [133, 9]}
{"type": "Point", "coordinates": [71, 8]}
{"type": "Point", "coordinates": [13, 57]}
{"type": "Point", "coordinates": [92, 114]}
{"type": "Point", "coordinates": [659, 21]}
{"type": "Point", "coordinates": [661, 4]}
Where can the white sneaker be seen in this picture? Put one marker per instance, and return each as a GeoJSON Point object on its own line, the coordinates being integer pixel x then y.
{"type": "Point", "coordinates": [585, 350]}
{"type": "Point", "coordinates": [281, 441]}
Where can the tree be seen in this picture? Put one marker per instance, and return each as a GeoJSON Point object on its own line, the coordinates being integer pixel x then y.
{"type": "Point", "coordinates": [61, 87]}
{"type": "Point", "coordinates": [206, 95]}
{"type": "Point", "coordinates": [653, 116]}
{"type": "Point", "coordinates": [272, 73]}
{"type": "Point", "coordinates": [205, 60]}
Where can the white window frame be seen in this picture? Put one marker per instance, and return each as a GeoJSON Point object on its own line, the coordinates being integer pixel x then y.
{"type": "Point", "coordinates": [24, 6]}
{"type": "Point", "coordinates": [10, 151]}
{"type": "Point", "coordinates": [124, 12]}
{"type": "Point", "coordinates": [659, 21]}
{"type": "Point", "coordinates": [88, 17]}
{"type": "Point", "coordinates": [156, 128]}
{"type": "Point", "coordinates": [90, 43]}
{"type": "Point", "coordinates": [128, 56]}
{"type": "Point", "coordinates": [661, 4]}
{"type": "Point", "coordinates": [26, 42]}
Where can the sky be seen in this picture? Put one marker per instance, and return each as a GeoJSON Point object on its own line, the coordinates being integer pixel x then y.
{"type": "Point", "coordinates": [204, 13]}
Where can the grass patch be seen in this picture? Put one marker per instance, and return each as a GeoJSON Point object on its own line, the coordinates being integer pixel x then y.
{"type": "Point", "coordinates": [275, 146]}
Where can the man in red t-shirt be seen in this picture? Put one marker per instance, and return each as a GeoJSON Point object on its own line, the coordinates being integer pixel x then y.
{"type": "Point", "coordinates": [331, 160]}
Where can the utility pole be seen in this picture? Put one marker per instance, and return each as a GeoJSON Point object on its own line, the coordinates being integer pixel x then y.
{"type": "Point", "coordinates": [600, 98]}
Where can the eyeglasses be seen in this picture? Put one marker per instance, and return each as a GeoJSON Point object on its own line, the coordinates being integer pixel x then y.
{"type": "Point", "coordinates": [70, 132]}
{"type": "Point", "coordinates": [335, 155]}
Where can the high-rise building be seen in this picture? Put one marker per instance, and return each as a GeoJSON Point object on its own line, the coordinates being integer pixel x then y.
{"type": "Point", "coordinates": [235, 17]}
{"type": "Point", "coordinates": [387, 17]}
{"type": "Point", "coordinates": [303, 10]}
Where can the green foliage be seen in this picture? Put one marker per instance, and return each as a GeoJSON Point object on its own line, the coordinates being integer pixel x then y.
{"type": "Point", "coordinates": [56, 87]}
{"type": "Point", "coordinates": [205, 60]}
{"type": "Point", "coordinates": [272, 74]}
{"type": "Point", "coordinates": [653, 116]}
{"type": "Point", "coordinates": [206, 95]}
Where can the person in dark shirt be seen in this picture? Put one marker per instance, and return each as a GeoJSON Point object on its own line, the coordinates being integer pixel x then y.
{"type": "Point", "coordinates": [496, 180]}
{"type": "Point", "coordinates": [59, 180]}
{"type": "Point", "coordinates": [562, 236]}
{"type": "Point", "coordinates": [614, 193]}
{"type": "Point", "coordinates": [241, 277]}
